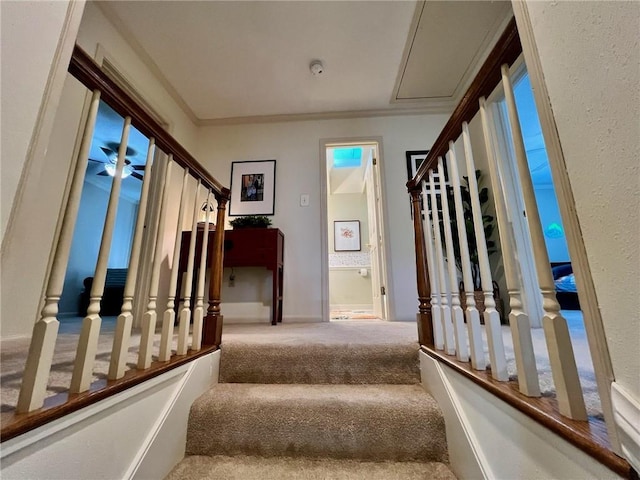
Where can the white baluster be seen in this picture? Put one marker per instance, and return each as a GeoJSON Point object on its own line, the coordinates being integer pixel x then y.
{"type": "Point", "coordinates": [198, 313]}
{"type": "Point", "coordinates": [185, 308]}
{"type": "Point", "coordinates": [122, 333]}
{"type": "Point", "coordinates": [556, 331]}
{"type": "Point", "coordinates": [449, 344]}
{"type": "Point", "coordinates": [436, 313]}
{"type": "Point", "coordinates": [472, 315]}
{"type": "Point", "coordinates": [457, 314]}
{"type": "Point", "coordinates": [518, 319]}
{"type": "Point", "coordinates": [150, 317]}
{"type": "Point", "coordinates": [491, 316]}
{"type": "Point", "coordinates": [168, 321]}
{"type": "Point", "coordinates": [45, 330]}
{"type": "Point", "coordinates": [88, 341]}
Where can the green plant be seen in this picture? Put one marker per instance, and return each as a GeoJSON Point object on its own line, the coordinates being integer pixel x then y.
{"type": "Point", "coordinates": [487, 220]}
{"type": "Point", "coordinates": [251, 221]}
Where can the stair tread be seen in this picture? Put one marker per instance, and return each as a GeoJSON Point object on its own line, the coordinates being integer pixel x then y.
{"type": "Point", "coordinates": [259, 468]}
{"type": "Point", "coordinates": [373, 422]}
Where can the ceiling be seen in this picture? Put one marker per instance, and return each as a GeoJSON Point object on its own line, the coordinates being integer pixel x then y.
{"type": "Point", "coordinates": [239, 61]}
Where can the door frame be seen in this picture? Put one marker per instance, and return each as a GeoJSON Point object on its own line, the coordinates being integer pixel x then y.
{"type": "Point", "coordinates": [324, 219]}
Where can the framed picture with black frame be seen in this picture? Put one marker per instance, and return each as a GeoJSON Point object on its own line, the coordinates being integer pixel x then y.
{"type": "Point", "coordinates": [346, 236]}
{"type": "Point", "coordinates": [414, 160]}
{"type": "Point", "coordinates": [253, 188]}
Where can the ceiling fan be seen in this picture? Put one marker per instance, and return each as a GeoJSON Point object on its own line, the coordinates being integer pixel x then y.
{"type": "Point", "coordinates": [111, 153]}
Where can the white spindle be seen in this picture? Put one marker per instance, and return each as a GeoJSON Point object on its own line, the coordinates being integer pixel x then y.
{"type": "Point", "coordinates": [449, 343]}
{"type": "Point", "coordinates": [168, 321]}
{"type": "Point", "coordinates": [185, 310]}
{"type": "Point", "coordinates": [122, 333]}
{"type": "Point", "coordinates": [150, 317]}
{"type": "Point", "coordinates": [472, 315]}
{"type": "Point", "coordinates": [198, 313]}
{"type": "Point", "coordinates": [88, 341]}
{"type": "Point", "coordinates": [556, 331]}
{"type": "Point", "coordinates": [457, 315]}
{"type": "Point", "coordinates": [491, 316]}
{"type": "Point", "coordinates": [45, 330]}
{"type": "Point", "coordinates": [436, 313]}
{"type": "Point", "coordinates": [518, 319]}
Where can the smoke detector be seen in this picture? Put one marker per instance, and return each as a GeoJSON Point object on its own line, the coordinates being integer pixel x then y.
{"type": "Point", "coordinates": [316, 67]}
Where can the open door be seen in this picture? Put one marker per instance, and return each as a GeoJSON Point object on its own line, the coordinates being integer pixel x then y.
{"type": "Point", "coordinates": [375, 245]}
{"type": "Point", "coordinates": [354, 280]}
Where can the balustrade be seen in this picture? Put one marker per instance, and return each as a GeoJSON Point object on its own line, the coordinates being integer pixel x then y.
{"type": "Point", "coordinates": [163, 151]}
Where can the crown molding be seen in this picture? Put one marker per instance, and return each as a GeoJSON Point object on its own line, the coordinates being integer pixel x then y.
{"type": "Point", "coordinates": [445, 107]}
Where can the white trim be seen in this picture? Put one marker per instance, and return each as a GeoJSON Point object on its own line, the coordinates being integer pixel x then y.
{"type": "Point", "coordinates": [385, 275]}
{"type": "Point", "coordinates": [162, 418]}
{"type": "Point", "coordinates": [472, 439]}
{"type": "Point", "coordinates": [14, 445]}
{"type": "Point", "coordinates": [433, 107]}
{"type": "Point", "coordinates": [355, 306]}
{"type": "Point", "coordinates": [586, 289]}
{"type": "Point", "coordinates": [626, 413]}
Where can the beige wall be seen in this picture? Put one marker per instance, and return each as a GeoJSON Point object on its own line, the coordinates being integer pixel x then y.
{"type": "Point", "coordinates": [296, 147]}
{"type": "Point", "coordinates": [590, 60]}
{"type": "Point", "coordinates": [346, 285]}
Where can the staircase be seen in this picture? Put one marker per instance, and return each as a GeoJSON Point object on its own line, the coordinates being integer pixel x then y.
{"type": "Point", "coordinates": [317, 401]}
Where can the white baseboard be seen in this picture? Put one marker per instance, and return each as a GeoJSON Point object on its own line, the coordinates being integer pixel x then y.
{"type": "Point", "coordinates": [355, 306]}
{"type": "Point", "coordinates": [267, 321]}
{"type": "Point", "coordinates": [626, 413]}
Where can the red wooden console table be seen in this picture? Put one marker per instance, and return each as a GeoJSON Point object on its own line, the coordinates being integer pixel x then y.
{"type": "Point", "coordinates": [247, 247]}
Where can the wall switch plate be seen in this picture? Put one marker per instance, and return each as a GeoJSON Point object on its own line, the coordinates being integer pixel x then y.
{"type": "Point", "coordinates": [304, 200]}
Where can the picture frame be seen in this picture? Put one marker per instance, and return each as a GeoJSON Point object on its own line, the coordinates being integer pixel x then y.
{"type": "Point", "coordinates": [253, 188]}
{"type": "Point", "coordinates": [346, 236]}
{"type": "Point", "coordinates": [414, 160]}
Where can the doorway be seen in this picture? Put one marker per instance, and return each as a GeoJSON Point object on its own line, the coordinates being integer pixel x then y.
{"type": "Point", "coordinates": [354, 256]}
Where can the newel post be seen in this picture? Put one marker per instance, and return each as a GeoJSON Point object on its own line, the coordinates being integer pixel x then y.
{"type": "Point", "coordinates": [212, 328]}
{"type": "Point", "coordinates": [425, 326]}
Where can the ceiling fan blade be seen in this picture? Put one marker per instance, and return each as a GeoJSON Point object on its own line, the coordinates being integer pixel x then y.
{"type": "Point", "coordinates": [137, 175]}
{"type": "Point", "coordinates": [138, 167]}
{"type": "Point", "coordinates": [94, 160]}
{"type": "Point", "coordinates": [103, 173]}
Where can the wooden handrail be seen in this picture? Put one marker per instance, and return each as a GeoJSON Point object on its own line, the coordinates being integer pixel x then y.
{"type": "Point", "coordinates": [89, 73]}
{"type": "Point", "coordinates": [506, 50]}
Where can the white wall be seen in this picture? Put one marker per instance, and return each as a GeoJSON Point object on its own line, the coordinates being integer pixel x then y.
{"type": "Point", "coordinates": [296, 147]}
{"type": "Point", "coordinates": [590, 59]}
{"type": "Point", "coordinates": [33, 71]}
{"type": "Point", "coordinates": [28, 244]}
{"type": "Point", "coordinates": [518, 448]}
{"type": "Point", "coordinates": [139, 433]}
{"type": "Point", "coordinates": [97, 31]}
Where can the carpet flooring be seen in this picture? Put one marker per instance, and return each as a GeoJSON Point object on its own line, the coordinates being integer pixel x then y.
{"type": "Point", "coordinates": [337, 400]}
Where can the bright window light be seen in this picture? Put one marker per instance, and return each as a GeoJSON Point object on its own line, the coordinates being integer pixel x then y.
{"type": "Point", "coordinates": [347, 157]}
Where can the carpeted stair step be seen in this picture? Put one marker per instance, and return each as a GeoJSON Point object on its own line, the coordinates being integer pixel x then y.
{"type": "Point", "coordinates": [320, 364]}
{"type": "Point", "coordinates": [365, 422]}
{"type": "Point", "coordinates": [257, 468]}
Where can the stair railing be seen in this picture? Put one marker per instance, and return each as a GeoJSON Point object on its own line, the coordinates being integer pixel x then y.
{"type": "Point", "coordinates": [197, 184]}
{"type": "Point", "coordinates": [448, 333]}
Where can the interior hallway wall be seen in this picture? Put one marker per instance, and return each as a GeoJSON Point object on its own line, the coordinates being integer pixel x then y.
{"type": "Point", "coordinates": [296, 148]}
